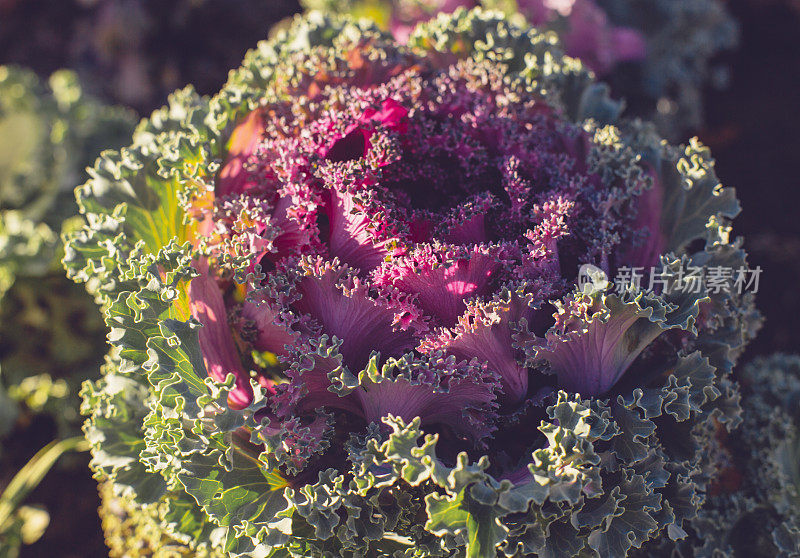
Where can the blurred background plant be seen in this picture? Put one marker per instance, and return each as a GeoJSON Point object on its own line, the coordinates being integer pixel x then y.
{"type": "Point", "coordinates": [754, 510]}
{"type": "Point", "coordinates": [49, 332]}
{"type": "Point", "coordinates": [136, 52]}
{"type": "Point", "coordinates": [22, 524]}
{"type": "Point", "coordinates": [51, 337]}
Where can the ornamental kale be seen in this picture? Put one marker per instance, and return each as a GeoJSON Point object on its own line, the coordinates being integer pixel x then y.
{"type": "Point", "coordinates": [346, 314]}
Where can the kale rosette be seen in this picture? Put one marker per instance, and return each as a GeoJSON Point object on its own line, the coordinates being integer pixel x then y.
{"type": "Point", "coordinates": [366, 302]}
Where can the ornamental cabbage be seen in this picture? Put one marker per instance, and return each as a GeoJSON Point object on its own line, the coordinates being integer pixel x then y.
{"type": "Point", "coordinates": [347, 318]}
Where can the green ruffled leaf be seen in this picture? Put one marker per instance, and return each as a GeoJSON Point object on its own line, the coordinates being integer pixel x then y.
{"type": "Point", "coordinates": [630, 524]}
{"type": "Point", "coordinates": [461, 515]}
{"type": "Point", "coordinates": [237, 493]}
{"type": "Point", "coordinates": [693, 197]}
{"type": "Point", "coordinates": [119, 405]}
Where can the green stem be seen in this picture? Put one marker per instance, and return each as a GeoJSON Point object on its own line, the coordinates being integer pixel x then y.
{"type": "Point", "coordinates": [33, 472]}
